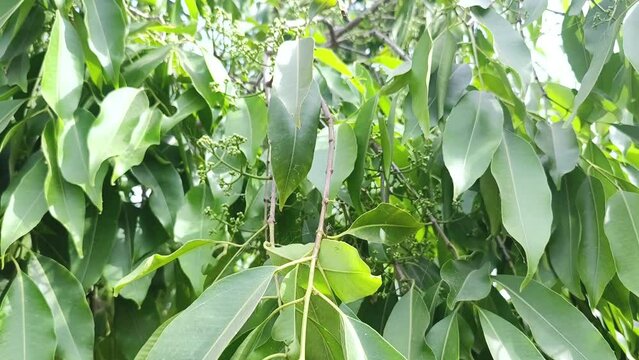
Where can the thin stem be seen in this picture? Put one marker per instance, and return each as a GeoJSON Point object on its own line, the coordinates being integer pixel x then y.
{"type": "Point", "coordinates": [271, 213]}
{"type": "Point", "coordinates": [391, 44]}
{"type": "Point", "coordinates": [355, 22]}
{"type": "Point", "coordinates": [320, 227]}
{"type": "Point", "coordinates": [293, 263]}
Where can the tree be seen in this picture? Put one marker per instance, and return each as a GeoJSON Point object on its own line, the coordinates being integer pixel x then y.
{"type": "Point", "coordinates": [390, 179]}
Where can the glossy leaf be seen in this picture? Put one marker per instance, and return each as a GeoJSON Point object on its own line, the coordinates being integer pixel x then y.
{"type": "Point", "coordinates": [622, 229]}
{"type": "Point", "coordinates": [360, 341]}
{"type": "Point", "coordinates": [630, 27]}
{"type": "Point", "coordinates": [7, 109]}
{"type": "Point", "coordinates": [137, 71]}
{"type": "Point", "coordinates": [533, 10]}
{"type": "Point", "coordinates": [504, 340]}
{"type": "Point", "coordinates": [443, 338]}
{"type": "Point", "coordinates": [250, 122]}
{"type": "Point", "coordinates": [385, 224]}
{"type": "Point", "coordinates": [407, 325]}
{"type": "Point", "coordinates": [362, 129]}
{"type": "Point", "coordinates": [560, 148]}
{"type": "Point", "coordinates": [525, 197]}
{"type": "Point", "coordinates": [468, 280]}
{"type": "Point", "coordinates": [106, 25]}
{"type": "Point", "coordinates": [344, 161]}
{"type": "Point", "coordinates": [145, 134]}
{"type": "Point", "coordinates": [419, 80]}
{"type": "Point", "coordinates": [471, 137]}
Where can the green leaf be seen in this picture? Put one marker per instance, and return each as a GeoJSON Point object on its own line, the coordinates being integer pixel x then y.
{"type": "Point", "coordinates": [249, 121]}
{"type": "Point", "coordinates": [443, 338]}
{"type": "Point", "coordinates": [560, 148]}
{"type": "Point", "coordinates": [291, 145]}
{"type": "Point", "coordinates": [63, 69]}
{"type": "Point", "coordinates": [595, 262]}
{"type": "Point", "coordinates": [99, 237]}
{"type": "Point", "coordinates": [533, 10]}
{"type": "Point", "coordinates": [420, 79]}
{"type": "Point", "coordinates": [143, 354]}
{"type": "Point", "coordinates": [145, 134]}
{"type": "Point", "coordinates": [362, 130]}
{"type": "Point", "coordinates": [7, 9]}
{"type": "Point", "coordinates": [7, 109]}
{"type": "Point", "coordinates": [26, 204]}
{"type": "Point", "coordinates": [525, 197]}
{"type": "Point", "coordinates": [72, 317]}
{"type": "Point", "coordinates": [111, 133]}
{"type": "Point", "coordinates": [191, 222]}
{"type": "Point", "coordinates": [361, 342]}
{"type": "Point", "coordinates": [156, 261]}
{"type": "Point", "coordinates": [188, 103]}
{"type": "Point", "coordinates": [106, 26]}
{"type": "Point", "coordinates": [293, 77]}
{"type": "Point", "coordinates": [211, 322]}
{"type": "Point", "coordinates": [385, 224]}
{"type": "Point", "coordinates": [407, 324]}
{"type": "Point", "coordinates": [167, 193]}
{"type": "Point", "coordinates": [631, 27]}
{"type": "Point", "coordinates": [622, 229]}
{"type": "Point", "coordinates": [563, 248]}
{"type": "Point", "coordinates": [445, 46]}
{"type": "Point", "coordinates": [344, 160]}
{"type": "Point", "coordinates": [65, 201]}
{"type": "Point", "coordinates": [139, 70]}
{"type": "Point", "coordinates": [467, 279]}
{"type": "Point", "coordinates": [26, 323]}
{"type": "Point", "coordinates": [504, 340]}
{"type": "Point", "coordinates": [387, 137]}
{"type": "Point", "coordinates": [559, 329]}
{"type": "Point", "coordinates": [471, 137]}
{"type": "Point", "coordinates": [508, 43]}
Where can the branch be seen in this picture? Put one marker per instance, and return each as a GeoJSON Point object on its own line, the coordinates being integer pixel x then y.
{"type": "Point", "coordinates": [355, 22]}
{"type": "Point", "coordinates": [391, 44]}
{"type": "Point", "coordinates": [319, 235]}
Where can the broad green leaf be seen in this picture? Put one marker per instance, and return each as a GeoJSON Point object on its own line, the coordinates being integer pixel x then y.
{"type": "Point", "coordinates": [211, 322]}
{"type": "Point", "coordinates": [532, 10]}
{"type": "Point", "coordinates": [560, 148]}
{"type": "Point", "coordinates": [622, 229]}
{"type": "Point", "coordinates": [111, 133]}
{"type": "Point", "coordinates": [385, 224]}
{"type": "Point", "coordinates": [203, 79]}
{"type": "Point", "coordinates": [387, 137]}
{"type": "Point", "coordinates": [563, 248]}
{"type": "Point", "coordinates": [100, 234]}
{"type": "Point", "coordinates": [7, 9]}
{"type": "Point", "coordinates": [631, 131]}
{"type": "Point", "coordinates": [145, 134]}
{"type": "Point", "coordinates": [139, 70]}
{"type": "Point", "coordinates": [63, 69]}
{"type": "Point", "coordinates": [419, 80]}
{"type": "Point", "coordinates": [630, 28]}
{"type": "Point", "coordinates": [156, 261]}
{"type": "Point", "coordinates": [572, 35]}
{"type": "Point", "coordinates": [26, 323]}
{"type": "Point", "coordinates": [65, 201]}
{"type": "Point", "coordinates": [444, 49]}
{"type": "Point", "coordinates": [328, 57]}
{"type": "Point", "coordinates": [559, 328]}
{"type": "Point", "coordinates": [504, 340]}
{"type": "Point", "coordinates": [343, 162]}
{"type": "Point", "coordinates": [407, 324]}
{"type": "Point", "coordinates": [26, 205]}
{"type": "Point", "coordinates": [292, 146]}
{"type": "Point", "coordinates": [249, 121]}
{"type": "Point", "coordinates": [443, 338]}
{"type": "Point", "coordinates": [72, 318]}
{"type": "Point", "coordinates": [362, 129]}
{"type": "Point", "coordinates": [468, 279]}
{"type": "Point", "coordinates": [490, 198]}
{"type": "Point", "coordinates": [107, 29]}
{"type": "Point", "coordinates": [143, 354]}
{"type": "Point", "coordinates": [508, 43]}
{"type": "Point", "coordinates": [7, 109]}
{"type": "Point", "coordinates": [166, 190]}
{"type": "Point", "coordinates": [595, 262]}
{"type": "Point", "coordinates": [525, 197]}
{"type": "Point", "coordinates": [361, 342]}
{"type": "Point", "coordinates": [471, 137]}
{"type": "Point", "coordinates": [188, 103]}
{"type": "Point", "coordinates": [293, 77]}
{"type": "Point", "coordinates": [191, 221]}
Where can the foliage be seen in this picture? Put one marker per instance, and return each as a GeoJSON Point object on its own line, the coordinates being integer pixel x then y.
{"type": "Point", "coordinates": [259, 179]}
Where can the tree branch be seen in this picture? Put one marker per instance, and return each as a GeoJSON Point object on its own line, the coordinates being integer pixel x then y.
{"type": "Point", "coordinates": [355, 22]}
{"type": "Point", "coordinates": [391, 44]}
{"type": "Point", "coordinates": [319, 235]}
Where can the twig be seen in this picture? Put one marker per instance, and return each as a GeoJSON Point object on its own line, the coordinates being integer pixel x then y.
{"type": "Point", "coordinates": [500, 242]}
{"type": "Point", "coordinates": [319, 235]}
{"type": "Point", "coordinates": [271, 213]}
{"type": "Point", "coordinates": [353, 23]}
{"type": "Point", "coordinates": [391, 44]}
{"type": "Point", "coordinates": [443, 235]}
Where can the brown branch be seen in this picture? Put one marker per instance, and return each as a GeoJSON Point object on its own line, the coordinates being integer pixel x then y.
{"type": "Point", "coordinates": [391, 44]}
{"type": "Point", "coordinates": [319, 235]}
{"type": "Point", "coordinates": [355, 22]}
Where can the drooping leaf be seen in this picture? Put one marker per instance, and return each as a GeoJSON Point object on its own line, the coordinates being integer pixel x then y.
{"type": "Point", "coordinates": [504, 340]}
{"type": "Point", "coordinates": [595, 262]}
{"type": "Point", "coordinates": [533, 10]}
{"type": "Point", "coordinates": [631, 27]}
{"type": "Point", "coordinates": [65, 201]}
{"type": "Point", "coordinates": [385, 224]}
{"type": "Point", "coordinates": [444, 48]}
{"type": "Point", "coordinates": [72, 318]}
{"type": "Point", "coordinates": [560, 148]}
{"type": "Point", "coordinates": [293, 77]}
{"type": "Point", "coordinates": [26, 323]}
{"type": "Point", "coordinates": [137, 71]}
{"type": "Point", "coordinates": [419, 80]}
{"type": "Point", "coordinates": [343, 162]}
{"type": "Point", "coordinates": [63, 69]}
{"type": "Point", "coordinates": [362, 130]}
{"type": "Point", "coordinates": [407, 324]}
{"type": "Point", "coordinates": [292, 145]}
{"type": "Point", "coordinates": [471, 137]}
{"type": "Point", "coordinates": [361, 342]}
{"type": "Point", "coordinates": [560, 330]}
{"type": "Point", "coordinates": [7, 109]}
{"type": "Point", "coordinates": [622, 229]}
{"type": "Point", "coordinates": [106, 26]}
{"type": "Point", "coordinates": [145, 134]}
{"type": "Point", "coordinates": [525, 197]}
{"type": "Point", "coordinates": [26, 204]}
{"type": "Point", "coordinates": [468, 280]}
{"type": "Point", "coordinates": [211, 322]}
{"type": "Point", "coordinates": [443, 338]}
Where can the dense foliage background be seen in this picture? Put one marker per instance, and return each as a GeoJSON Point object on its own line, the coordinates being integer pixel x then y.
{"type": "Point", "coordinates": [352, 179]}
